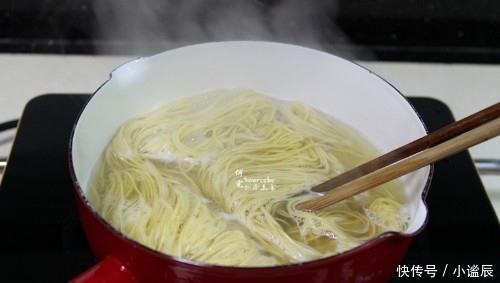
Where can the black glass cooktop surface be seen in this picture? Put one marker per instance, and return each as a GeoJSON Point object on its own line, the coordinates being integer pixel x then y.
{"type": "Point", "coordinates": [41, 239]}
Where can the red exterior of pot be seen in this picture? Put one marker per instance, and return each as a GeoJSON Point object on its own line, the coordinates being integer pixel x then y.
{"type": "Point", "coordinates": [123, 260]}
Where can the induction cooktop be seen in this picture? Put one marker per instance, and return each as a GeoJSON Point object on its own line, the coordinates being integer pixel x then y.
{"type": "Point", "coordinates": [41, 239]}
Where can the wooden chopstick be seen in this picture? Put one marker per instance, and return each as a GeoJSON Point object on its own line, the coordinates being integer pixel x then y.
{"type": "Point", "coordinates": [452, 146]}
{"type": "Point", "coordinates": [430, 140]}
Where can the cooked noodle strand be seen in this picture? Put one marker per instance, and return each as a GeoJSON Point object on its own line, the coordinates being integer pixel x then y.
{"type": "Point", "coordinates": [217, 178]}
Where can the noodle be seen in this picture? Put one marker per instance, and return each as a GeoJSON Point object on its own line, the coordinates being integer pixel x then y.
{"type": "Point", "coordinates": [217, 177]}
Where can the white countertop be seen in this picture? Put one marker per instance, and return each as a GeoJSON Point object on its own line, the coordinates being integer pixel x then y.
{"type": "Point", "coordinates": [465, 88]}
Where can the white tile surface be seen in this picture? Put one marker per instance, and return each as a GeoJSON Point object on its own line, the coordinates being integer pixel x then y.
{"type": "Point", "coordinates": [465, 88]}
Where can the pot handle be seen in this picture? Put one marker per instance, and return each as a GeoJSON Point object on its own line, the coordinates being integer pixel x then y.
{"type": "Point", "coordinates": [107, 270]}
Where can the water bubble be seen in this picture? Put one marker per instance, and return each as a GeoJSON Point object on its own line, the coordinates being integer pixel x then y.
{"type": "Point", "coordinates": [208, 133]}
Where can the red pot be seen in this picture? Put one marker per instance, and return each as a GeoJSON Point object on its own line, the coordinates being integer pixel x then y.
{"type": "Point", "coordinates": [324, 81]}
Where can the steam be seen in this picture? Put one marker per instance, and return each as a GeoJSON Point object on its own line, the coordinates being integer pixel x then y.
{"type": "Point", "coordinates": [158, 25]}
